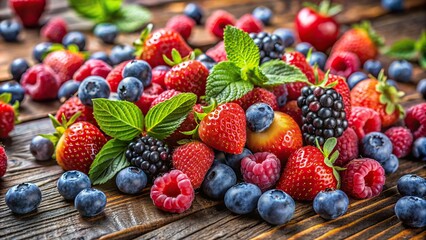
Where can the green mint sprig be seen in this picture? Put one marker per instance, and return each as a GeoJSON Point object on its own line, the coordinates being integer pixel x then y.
{"type": "Point", "coordinates": [232, 79]}
{"type": "Point", "coordinates": [409, 49]}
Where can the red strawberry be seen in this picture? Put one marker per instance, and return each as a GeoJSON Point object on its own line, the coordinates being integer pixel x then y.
{"type": "Point", "coordinates": [298, 60]}
{"type": "Point", "coordinates": [158, 75]}
{"type": "Point", "coordinates": [71, 107]}
{"type": "Point", "coordinates": [152, 46]}
{"type": "Point", "coordinates": [294, 111]}
{"type": "Point", "coordinates": [65, 63]}
{"type": "Point", "coordinates": [3, 161]}
{"type": "Point", "coordinates": [361, 40]}
{"type": "Point", "coordinates": [29, 11]}
{"type": "Point", "coordinates": [217, 21]}
{"type": "Point", "coordinates": [8, 114]}
{"type": "Point", "coordinates": [258, 95]}
{"type": "Point", "coordinates": [218, 52]}
{"type": "Point", "coordinates": [92, 67]}
{"type": "Point", "coordinates": [343, 89]}
{"type": "Point", "coordinates": [248, 23]}
{"type": "Point", "coordinates": [194, 159]}
{"type": "Point", "coordinates": [115, 76]}
{"type": "Point", "coordinates": [308, 171]}
{"type": "Point", "coordinates": [164, 96]}
{"type": "Point", "coordinates": [187, 125]}
{"type": "Point", "coordinates": [148, 96]}
{"type": "Point", "coordinates": [182, 25]}
{"type": "Point", "coordinates": [55, 30]}
{"type": "Point", "coordinates": [224, 128]}
{"type": "Point", "coordinates": [402, 140]}
{"type": "Point", "coordinates": [41, 82]}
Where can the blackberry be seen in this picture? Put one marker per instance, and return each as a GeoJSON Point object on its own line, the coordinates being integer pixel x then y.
{"type": "Point", "coordinates": [149, 154]}
{"type": "Point", "coordinates": [323, 114]}
{"type": "Point", "coordinates": [271, 46]}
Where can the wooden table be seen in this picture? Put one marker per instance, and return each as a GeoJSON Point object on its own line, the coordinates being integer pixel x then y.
{"type": "Point", "coordinates": [135, 216]}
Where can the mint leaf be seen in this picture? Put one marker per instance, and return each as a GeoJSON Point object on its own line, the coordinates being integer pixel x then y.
{"type": "Point", "coordinates": [164, 118]}
{"type": "Point", "coordinates": [422, 60]}
{"type": "Point", "coordinates": [131, 18]}
{"type": "Point", "coordinates": [5, 97]}
{"type": "Point", "coordinates": [279, 72]}
{"type": "Point", "coordinates": [240, 48]}
{"type": "Point", "coordinates": [225, 83]}
{"type": "Point", "coordinates": [109, 161]}
{"type": "Point", "coordinates": [98, 11]}
{"type": "Point", "coordinates": [405, 49]}
{"type": "Point", "coordinates": [119, 119]}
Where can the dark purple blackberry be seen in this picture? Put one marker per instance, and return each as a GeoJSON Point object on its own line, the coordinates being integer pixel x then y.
{"type": "Point", "coordinates": [151, 155]}
{"type": "Point", "coordinates": [323, 114]}
{"type": "Point", "coordinates": [270, 46]}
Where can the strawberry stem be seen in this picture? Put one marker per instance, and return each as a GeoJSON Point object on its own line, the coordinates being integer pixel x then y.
{"type": "Point", "coordinates": [325, 8]}
{"type": "Point", "coordinates": [326, 150]}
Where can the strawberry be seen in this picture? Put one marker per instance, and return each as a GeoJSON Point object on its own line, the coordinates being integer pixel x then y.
{"type": "Point", "coordinates": [258, 95]}
{"type": "Point", "coordinates": [29, 11]}
{"type": "Point", "coordinates": [71, 107]}
{"type": "Point", "coordinates": [65, 63]}
{"type": "Point", "coordinates": [164, 96]}
{"type": "Point", "coordinates": [224, 128]}
{"type": "Point", "coordinates": [55, 30]}
{"type": "Point", "coordinates": [310, 170]}
{"type": "Point", "coordinates": [361, 40]}
{"type": "Point", "coordinates": [187, 125]}
{"type": "Point", "coordinates": [342, 88]}
{"type": "Point", "coordinates": [152, 46]}
{"type": "Point", "coordinates": [116, 75]}
{"type": "Point", "coordinates": [194, 159]}
{"type": "Point", "coordinates": [148, 96]}
{"type": "Point", "coordinates": [298, 60]}
{"type": "Point", "coordinates": [8, 115]}
{"type": "Point", "coordinates": [92, 67]}
{"type": "Point", "coordinates": [378, 95]}
{"type": "Point", "coordinates": [3, 161]}
{"type": "Point", "coordinates": [282, 138]}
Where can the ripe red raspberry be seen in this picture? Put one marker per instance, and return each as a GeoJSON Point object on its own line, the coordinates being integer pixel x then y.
{"type": "Point", "coordinates": [262, 169]}
{"type": "Point", "coordinates": [148, 96]}
{"type": "Point", "coordinates": [115, 76]}
{"type": "Point", "coordinates": [218, 52]}
{"type": "Point", "coordinates": [92, 67]}
{"type": "Point", "coordinates": [158, 75]}
{"type": "Point", "coordinates": [3, 161]}
{"type": "Point", "coordinates": [258, 95]}
{"type": "Point", "coordinates": [173, 192]}
{"type": "Point", "coordinates": [415, 120]}
{"type": "Point", "coordinates": [71, 107]}
{"type": "Point", "coordinates": [7, 119]}
{"type": "Point", "coordinates": [182, 25]}
{"type": "Point", "coordinates": [248, 23]}
{"type": "Point", "coordinates": [217, 22]}
{"type": "Point", "coordinates": [343, 63]}
{"type": "Point", "coordinates": [55, 30]}
{"type": "Point", "coordinates": [401, 139]}
{"type": "Point", "coordinates": [363, 178]}
{"type": "Point", "coordinates": [294, 111]}
{"type": "Point", "coordinates": [364, 120]}
{"type": "Point", "coordinates": [164, 96]}
{"type": "Point", "coordinates": [347, 145]}
{"type": "Point", "coordinates": [40, 82]}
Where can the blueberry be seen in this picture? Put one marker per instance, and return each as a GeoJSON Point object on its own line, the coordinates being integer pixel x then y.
{"type": "Point", "coordinates": [140, 70]}
{"type": "Point", "coordinates": [42, 148]}
{"type": "Point", "coordinates": [71, 183]}
{"type": "Point", "coordinates": [67, 90]}
{"type": "Point", "coordinates": [234, 160]}
{"type": "Point", "coordinates": [259, 117]}
{"type": "Point", "coordinates": [76, 38]}
{"type": "Point", "coordinates": [40, 50]}
{"type": "Point", "coordinates": [101, 56]}
{"type": "Point", "coordinates": [411, 211]}
{"type": "Point", "coordinates": [376, 145]}
{"type": "Point", "coordinates": [121, 53]}
{"type": "Point", "coordinates": [286, 35]}
{"type": "Point", "coordinates": [421, 88]}
{"type": "Point", "coordinates": [264, 14]}
{"type": "Point", "coordinates": [18, 67]}
{"type": "Point", "coordinates": [393, 5]}
{"type": "Point", "coordinates": [218, 180]}
{"type": "Point", "coordinates": [355, 78]}
{"type": "Point", "coordinates": [276, 207]}
{"type": "Point", "coordinates": [331, 204]}
{"type": "Point", "coordinates": [412, 185]}
{"type": "Point", "coordinates": [419, 148]}
{"type": "Point", "coordinates": [130, 89]}
{"type": "Point", "coordinates": [242, 198]}
{"type": "Point", "coordinates": [391, 165]}
{"type": "Point", "coordinates": [14, 88]}
{"type": "Point", "coordinates": [318, 58]}
{"type": "Point", "coordinates": [93, 87]}
{"type": "Point", "coordinates": [400, 71]}
{"type": "Point", "coordinates": [90, 202]}
{"type": "Point", "coordinates": [194, 11]}
{"type": "Point", "coordinates": [9, 30]}
{"type": "Point", "coordinates": [107, 32]}
{"type": "Point", "coordinates": [131, 180]}
{"type": "Point", "coordinates": [373, 67]}
{"type": "Point", "coordinates": [23, 198]}
{"type": "Point", "coordinates": [303, 48]}
{"type": "Point", "coordinates": [207, 61]}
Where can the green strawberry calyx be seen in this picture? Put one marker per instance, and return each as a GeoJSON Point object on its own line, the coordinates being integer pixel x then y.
{"type": "Point", "coordinates": [7, 98]}
{"type": "Point", "coordinates": [330, 157]}
{"type": "Point", "coordinates": [367, 28]}
{"type": "Point", "coordinates": [72, 48]}
{"type": "Point", "coordinates": [138, 43]}
{"type": "Point", "coordinates": [325, 8]}
{"type": "Point", "coordinates": [60, 127]}
{"type": "Point", "coordinates": [198, 118]}
{"type": "Point", "coordinates": [389, 95]}
{"type": "Point", "coordinates": [177, 58]}
{"type": "Point", "coordinates": [323, 83]}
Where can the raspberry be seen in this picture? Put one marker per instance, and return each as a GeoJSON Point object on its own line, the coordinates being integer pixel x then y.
{"type": "Point", "coordinates": [347, 145]}
{"type": "Point", "coordinates": [248, 23]}
{"type": "Point", "coordinates": [364, 120]}
{"type": "Point", "coordinates": [92, 67]}
{"type": "Point", "coordinates": [401, 139]}
{"type": "Point", "coordinates": [3, 161]}
{"type": "Point", "coordinates": [173, 192]}
{"type": "Point", "coordinates": [71, 107]}
{"type": "Point", "coordinates": [158, 75]}
{"type": "Point", "coordinates": [363, 178]}
{"type": "Point", "coordinates": [164, 96]}
{"type": "Point", "coordinates": [182, 25]}
{"type": "Point", "coordinates": [415, 120]}
{"type": "Point", "coordinates": [294, 111]}
{"type": "Point", "coordinates": [217, 52]}
{"type": "Point", "coordinates": [294, 89]}
{"type": "Point", "coordinates": [115, 76]}
{"type": "Point", "coordinates": [262, 169]}
{"type": "Point", "coordinates": [258, 95]}
{"type": "Point", "coordinates": [217, 22]}
{"type": "Point", "coordinates": [343, 63]}
{"type": "Point", "coordinates": [40, 82]}
{"type": "Point", "coordinates": [55, 30]}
